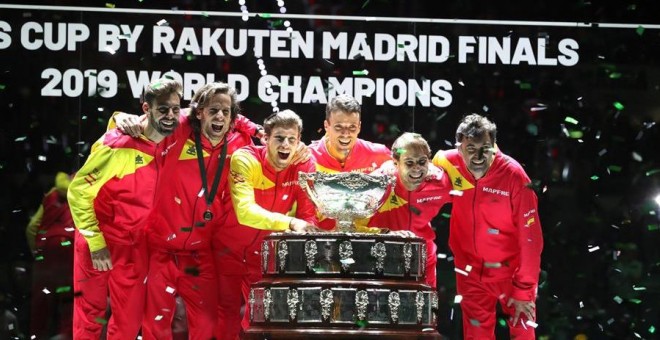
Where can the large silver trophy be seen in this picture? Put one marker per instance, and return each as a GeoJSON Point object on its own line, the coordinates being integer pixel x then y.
{"type": "Point", "coordinates": [346, 196]}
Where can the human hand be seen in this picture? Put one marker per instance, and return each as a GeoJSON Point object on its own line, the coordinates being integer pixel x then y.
{"type": "Point", "coordinates": [525, 307]}
{"type": "Point", "coordinates": [299, 226]}
{"type": "Point", "coordinates": [302, 154]}
{"type": "Point", "coordinates": [129, 124]}
{"type": "Point", "coordinates": [101, 259]}
{"type": "Point", "coordinates": [403, 233]}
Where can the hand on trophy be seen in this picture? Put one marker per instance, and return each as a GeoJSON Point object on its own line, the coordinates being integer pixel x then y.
{"type": "Point", "coordinates": [403, 233]}
{"type": "Point", "coordinates": [299, 226]}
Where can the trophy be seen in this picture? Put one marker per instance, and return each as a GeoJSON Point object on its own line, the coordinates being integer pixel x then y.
{"type": "Point", "coordinates": [346, 196]}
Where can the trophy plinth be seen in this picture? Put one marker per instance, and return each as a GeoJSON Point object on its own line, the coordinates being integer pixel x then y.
{"type": "Point", "coordinates": [346, 196]}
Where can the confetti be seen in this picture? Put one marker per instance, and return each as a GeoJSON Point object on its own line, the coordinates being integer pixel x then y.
{"type": "Point", "coordinates": [639, 30]}
{"type": "Point", "coordinates": [361, 73]}
{"type": "Point", "coordinates": [571, 120]}
{"type": "Point", "coordinates": [618, 106]}
{"type": "Point", "coordinates": [458, 298]}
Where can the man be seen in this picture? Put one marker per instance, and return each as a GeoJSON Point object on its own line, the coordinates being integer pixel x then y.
{"type": "Point", "coordinates": [187, 211]}
{"type": "Point", "coordinates": [494, 232]}
{"type": "Point", "coordinates": [110, 198]}
{"type": "Point", "coordinates": [340, 150]}
{"type": "Point", "coordinates": [420, 191]}
{"type": "Point", "coordinates": [50, 237]}
{"type": "Point", "coordinates": [264, 188]}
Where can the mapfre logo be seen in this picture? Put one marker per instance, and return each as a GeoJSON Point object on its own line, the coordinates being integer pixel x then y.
{"type": "Point", "coordinates": [496, 191]}
{"type": "Point", "coordinates": [427, 199]}
{"type": "Point", "coordinates": [289, 183]}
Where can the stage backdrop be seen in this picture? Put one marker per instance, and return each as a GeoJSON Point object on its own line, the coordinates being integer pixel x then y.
{"type": "Point", "coordinates": [575, 103]}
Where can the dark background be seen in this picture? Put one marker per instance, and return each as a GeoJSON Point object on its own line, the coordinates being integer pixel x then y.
{"type": "Point", "coordinates": [596, 180]}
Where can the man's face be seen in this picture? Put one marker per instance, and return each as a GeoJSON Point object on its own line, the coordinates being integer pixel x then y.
{"type": "Point", "coordinates": [342, 130]}
{"type": "Point", "coordinates": [478, 154]}
{"type": "Point", "coordinates": [413, 165]}
{"type": "Point", "coordinates": [164, 114]}
{"type": "Point", "coordinates": [215, 117]}
{"type": "Point", "coordinates": [281, 144]}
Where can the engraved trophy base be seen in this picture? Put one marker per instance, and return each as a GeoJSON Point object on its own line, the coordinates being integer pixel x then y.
{"type": "Point", "coordinates": [261, 333]}
{"type": "Point", "coordinates": [342, 286]}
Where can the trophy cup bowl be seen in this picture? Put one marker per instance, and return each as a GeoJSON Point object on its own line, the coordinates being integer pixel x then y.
{"type": "Point", "coordinates": [346, 196]}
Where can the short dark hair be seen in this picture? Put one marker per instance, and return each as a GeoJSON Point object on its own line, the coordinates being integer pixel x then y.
{"type": "Point", "coordinates": [474, 126]}
{"type": "Point", "coordinates": [286, 118]}
{"type": "Point", "coordinates": [410, 140]}
{"type": "Point", "coordinates": [203, 96]}
{"type": "Point", "coordinates": [159, 88]}
{"type": "Point", "coordinates": [343, 102]}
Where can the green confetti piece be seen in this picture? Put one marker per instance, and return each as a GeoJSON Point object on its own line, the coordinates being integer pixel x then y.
{"type": "Point", "coordinates": [635, 301]}
{"type": "Point", "coordinates": [63, 289]}
{"type": "Point", "coordinates": [575, 134]}
{"type": "Point", "coordinates": [533, 129]}
{"type": "Point", "coordinates": [652, 329]}
{"type": "Point", "coordinates": [615, 168]}
{"type": "Point", "coordinates": [109, 5]}
{"type": "Point", "coordinates": [65, 243]}
{"type": "Point", "coordinates": [360, 73]}
{"type": "Point", "coordinates": [653, 227]}
{"type": "Point", "coordinates": [571, 120]}
{"type": "Point", "coordinates": [39, 258]}
{"type": "Point", "coordinates": [205, 14]}
{"type": "Point", "coordinates": [615, 75]}
{"type": "Point", "coordinates": [525, 86]}
{"type": "Point", "coordinates": [400, 151]}
{"type": "Point", "coordinates": [2, 86]}
{"type": "Point", "coordinates": [190, 57]}
{"type": "Point", "coordinates": [446, 215]}
{"type": "Point", "coordinates": [192, 270]}
{"type": "Point", "coordinates": [186, 229]}
{"type": "Point", "coordinates": [652, 172]}
{"type": "Point", "coordinates": [640, 30]}
{"type": "Point", "coordinates": [264, 15]}
{"type": "Point", "coordinates": [594, 178]}
{"type": "Point", "coordinates": [501, 322]}
{"type": "Point", "coordinates": [361, 323]}
{"type": "Point", "coordinates": [400, 45]}
{"type": "Point", "coordinates": [618, 106]}
{"type": "Point", "coordinates": [102, 321]}
{"type": "Point", "coordinates": [67, 150]}
{"type": "Point", "coordinates": [365, 4]}
{"type": "Point", "coordinates": [42, 232]}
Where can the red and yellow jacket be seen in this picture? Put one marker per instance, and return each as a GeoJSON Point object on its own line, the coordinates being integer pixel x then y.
{"type": "Point", "coordinates": [414, 210]}
{"type": "Point", "coordinates": [365, 158]}
{"type": "Point", "coordinates": [261, 197]}
{"type": "Point", "coordinates": [495, 231]}
{"type": "Point", "coordinates": [112, 194]}
{"type": "Point", "coordinates": [52, 219]}
{"type": "Point", "coordinates": [177, 222]}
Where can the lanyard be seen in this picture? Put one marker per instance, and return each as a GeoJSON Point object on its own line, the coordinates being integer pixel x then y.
{"type": "Point", "coordinates": [208, 215]}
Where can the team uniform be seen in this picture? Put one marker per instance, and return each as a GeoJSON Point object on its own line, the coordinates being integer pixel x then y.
{"type": "Point", "coordinates": [414, 210]}
{"type": "Point", "coordinates": [365, 157]}
{"type": "Point", "coordinates": [179, 236]}
{"type": "Point", "coordinates": [496, 239]}
{"type": "Point", "coordinates": [50, 234]}
{"type": "Point", "coordinates": [261, 197]}
{"type": "Point", "coordinates": [110, 199]}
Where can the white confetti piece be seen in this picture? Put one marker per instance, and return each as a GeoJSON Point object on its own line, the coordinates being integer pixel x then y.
{"type": "Point", "coordinates": [593, 249]}
{"type": "Point", "coordinates": [458, 298]}
{"type": "Point", "coordinates": [162, 22]}
{"type": "Point", "coordinates": [456, 193]}
{"type": "Point", "coordinates": [46, 291]}
{"type": "Point", "coordinates": [461, 271]}
{"type": "Point", "coordinates": [177, 200]}
{"type": "Point", "coordinates": [602, 152]}
{"type": "Point", "coordinates": [442, 256]}
{"type": "Point", "coordinates": [284, 197]}
{"type": "Point", "coordinates": [158, 317]}
{"type": "Point", "coordinates": [618, 300]}
{"type": "Point", "coordinates": [110, 50]}
{"type": "Point", "coordinates": [531, 323]}
{"type": "Point", "coordinates": [169, 289]}
{"type": "Point", "coordinates": [468, 268]}
{"type": "Point", "coordinates": [201, 193]}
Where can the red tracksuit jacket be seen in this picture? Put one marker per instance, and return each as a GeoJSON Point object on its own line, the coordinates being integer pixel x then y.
{"type": "Point", "coordinates": [365, 158]}
{"type": "Point", "coordinates": [260, 197]}
{"type": "Point", "coordinates": [114, 191]}
{"type": "Point", "coordinates": [495, 231]}
{"type": "Point", "coordinates": [177, 222]}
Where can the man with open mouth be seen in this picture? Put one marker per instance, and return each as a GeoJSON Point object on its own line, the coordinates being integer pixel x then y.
{"type": "Point", "coordinates": [340, 150]}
